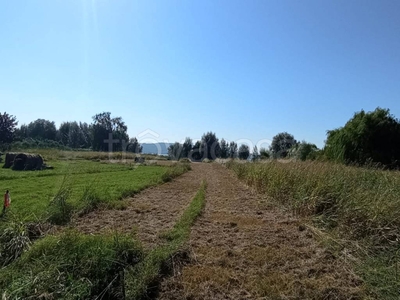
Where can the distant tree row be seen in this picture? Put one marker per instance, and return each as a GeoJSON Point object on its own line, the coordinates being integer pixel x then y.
{"type": "Point", "coordinates": [209, 147]}
{"type": "Point", "coordinates": [368, 137]}
{"type": "Point", "coordinates": [96, 136]}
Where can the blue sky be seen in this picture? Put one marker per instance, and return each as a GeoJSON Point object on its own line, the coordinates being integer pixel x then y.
{"type": "Point", "coordinates": [243, 69]}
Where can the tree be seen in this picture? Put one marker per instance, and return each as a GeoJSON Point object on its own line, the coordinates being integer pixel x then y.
{"type": "Point", "coordinates": [281, 143]}
{"type": "Point", "coordinates": [233, 148]}
{"type": "Point", "coordinates": [264, 153]}
{"type": "Point", "coordinates": [175, 151]}
{"type": "Point", "coordinates": [8, 123]}
{"type": "Point", "coordinates": [303, 151]}
{"type": "Point", "coordinates": [42, 129]}
{"type": "Point", "coordinates": [70, 134]}
{"type": "Point", "coordinates": [86, 133]}
{"type": "Point", "coordinates": [134, 146]}
{"type": "Point", "coordinates": [224, 149]}
{"type": "Point", "coordinates": [195, 154]}
{"type": "Point", "coordinates": [255, 155]}
{"type": "Point", "coordinates": [21, 133]}
{"type": "Point", "coordinates": [210, 147]}
{"type": "Point", "coordinates": [103, 128]}
{"type": "Point", "coordinates": [244, 152]}
{"type": "Point", "coordinates": [187, 147]}
{"type": "Point", "coordinates": [367, 137]}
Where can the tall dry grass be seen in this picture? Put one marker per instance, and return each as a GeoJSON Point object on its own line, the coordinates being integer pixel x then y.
{"type": "Point", "coordinates": [362, 202]}
{"type": "Point", "coordinates": [359, 208]}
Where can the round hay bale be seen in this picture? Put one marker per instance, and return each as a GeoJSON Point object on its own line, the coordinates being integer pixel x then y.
{"type": "Point", "coordinates": [27, 162]}
{"type": "Point", "coordinates": [9, 159]}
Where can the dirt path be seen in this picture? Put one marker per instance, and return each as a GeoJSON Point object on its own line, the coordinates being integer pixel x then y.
{"type": "Point", "coordinates": [153, 210]}
{"type": "Point", "coordinates": [242, 248]}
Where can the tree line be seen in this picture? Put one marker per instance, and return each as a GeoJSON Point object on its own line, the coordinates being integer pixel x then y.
{"type": "Point", "coordinates": [73, 135]}
{"type": "Point", "coordinates": [367, 138]}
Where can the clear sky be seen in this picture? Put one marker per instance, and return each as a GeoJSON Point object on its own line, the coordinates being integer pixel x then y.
{"type": "Point", "coordinates": [243, 69]}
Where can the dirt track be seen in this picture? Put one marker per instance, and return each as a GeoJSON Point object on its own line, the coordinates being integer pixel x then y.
{"type": "Point", "coordinates": [240, 248]}
{"type": "Point", "coordinates": [243, 248]}
{"type": "Point", "coordinates": [153, 210]}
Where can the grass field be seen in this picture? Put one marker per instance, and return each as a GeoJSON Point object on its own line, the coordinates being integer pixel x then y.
{"type": "Point", "coordinates": [31, 192]}
{"type": "Point", "coordinates": [357, 209]}
{"type": "Point", "coordinates": [72, 265]}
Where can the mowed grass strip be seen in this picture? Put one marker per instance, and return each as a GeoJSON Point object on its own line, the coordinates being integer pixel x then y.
{"type": "Point", "coordinates": [350, 203]}
{"type": "Point", "coordinates": [146, 275]}
{"type": "Point", "coordinates": [32, 191]}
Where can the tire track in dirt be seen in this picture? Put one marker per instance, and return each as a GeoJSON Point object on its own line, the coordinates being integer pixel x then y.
{"type": "Point", "coordinates": [243, 248]}
{"type": "Point", "coordinates": [148, 213]}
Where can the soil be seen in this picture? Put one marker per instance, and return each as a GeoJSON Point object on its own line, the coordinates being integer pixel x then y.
{"type": "Point", "coordinates": [241, 247]}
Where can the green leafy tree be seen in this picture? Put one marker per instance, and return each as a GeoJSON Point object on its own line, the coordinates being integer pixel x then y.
{"type": "Point", "coordinates": [8, 124]}
{"type": "Point", "coordinates": [196, 154]}
{"type": "Point", "coordinates": [103, 128]}
{"type": "Point", "coordinates": [210, 147]}
{"type": "Point", "coordinates": [187, 147]}
{"type": "Point", "coordinates": [42, 129]}
{"type": "Point", "coordinates": [281, 143]}
{"type": "Point", "coordinates": [134, 146]}
{"type": "Point", "coordinates": [21, 133]}
{"type": "Point", "coordinates": [233, 150]}
{"type": "Point", "coordinates": [264, 153]}
{"type": "Point", "coordinates": [175, 151]}
{"type": "Point", "coordinates": [70, 134]}
{"type": "Point", "coordinates": [244, 152]}
{"type": "Point", "coordinates": [86, 133]}
{"type": "Point", "coordinates": [303, 151]}
{"type": "Point", "coordinates": [255, 155]}
{"type": "Point", "coordinates": [367, 137]}
{"type": "Point", "coordinates": [224, 149]}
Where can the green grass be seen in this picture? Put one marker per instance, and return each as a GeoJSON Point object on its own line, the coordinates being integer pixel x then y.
{"type": "Point", "coordinates": [355, 204]}
{"type": "Point", "coordinates": [71, 266]}
{"type": "Point", "coordinates": [56, 154]}
{"type": "Point", "coordinates": [32, 191]}
{"type": "Point", "coordinates": [78, 266]}
{"type": "Point", "coordinates": [31, 195]}
{"type": "Point", "coordinates": [145, 276]}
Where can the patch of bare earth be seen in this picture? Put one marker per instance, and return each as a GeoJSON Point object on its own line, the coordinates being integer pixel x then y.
{"type": "Point", "coordinates": [148, 213]}
{"type": "Point", "coordinates": [242, 248]}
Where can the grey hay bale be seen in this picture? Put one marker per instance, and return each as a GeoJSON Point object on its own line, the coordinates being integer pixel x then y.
{"type": "Point", "coordinates": [139, 160]}
{"type": "Point", "coordinates": [9, 159]}
{"type": "Point", "coordinates": [27, 162]}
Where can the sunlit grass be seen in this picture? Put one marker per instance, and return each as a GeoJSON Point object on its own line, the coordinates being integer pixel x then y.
{"type": "Point", "coordinates": [356, 205]}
